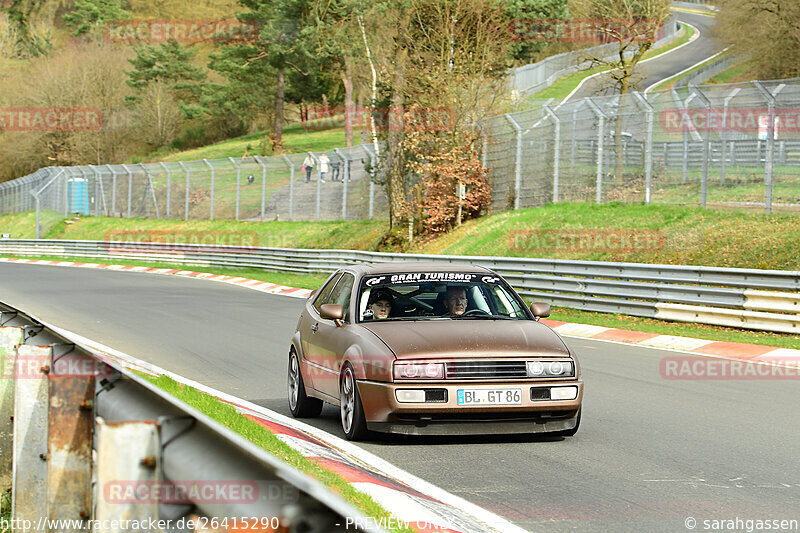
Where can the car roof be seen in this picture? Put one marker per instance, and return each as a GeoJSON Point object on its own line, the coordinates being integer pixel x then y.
{"type": "Point", "coordinates": [414, 266]}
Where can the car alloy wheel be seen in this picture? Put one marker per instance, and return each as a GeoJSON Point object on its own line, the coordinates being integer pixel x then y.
{"type": "Point", "coordinates": [352, 414]}
{"type": "Point", "coordinates": [300, 404]}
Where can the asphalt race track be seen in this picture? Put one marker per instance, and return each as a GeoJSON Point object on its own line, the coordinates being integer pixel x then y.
{"type": "Point", "coordinates": [650, 453]}
{"type": "Point", "coordinates": [653, 71]}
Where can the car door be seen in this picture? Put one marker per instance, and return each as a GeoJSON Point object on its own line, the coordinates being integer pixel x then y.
{"type": "Point", "coordinates": [308, 320]}
{"type": "Point", "coordinates": [329, 341]}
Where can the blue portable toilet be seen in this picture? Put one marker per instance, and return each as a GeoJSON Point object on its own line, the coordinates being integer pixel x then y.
{"type": "Point", "coordinates": [78, 195]}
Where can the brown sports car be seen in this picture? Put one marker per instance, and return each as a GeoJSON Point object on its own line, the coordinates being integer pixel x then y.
{"type": "Point", "coordinates": [431, 349]}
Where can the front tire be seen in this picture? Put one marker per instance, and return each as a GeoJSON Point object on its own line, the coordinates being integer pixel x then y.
{"type": "Point", "coordinates": [351, 412]}
{"type": "Point", "coordinates": [300, 404]}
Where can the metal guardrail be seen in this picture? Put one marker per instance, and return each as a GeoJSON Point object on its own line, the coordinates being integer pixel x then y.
{"type": "Point", "coordinates": [636, 289]}
{"type": "Point", "coordinates": [149, 448]}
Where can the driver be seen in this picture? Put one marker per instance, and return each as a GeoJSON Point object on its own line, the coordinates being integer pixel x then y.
{"type": "Point", "coordinates": [455, 301]}
{"type": "Point", "coordinates": [380, 303]}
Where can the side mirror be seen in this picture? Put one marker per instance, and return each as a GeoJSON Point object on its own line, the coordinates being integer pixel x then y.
{"type": "Point", "coordinates": [313, 293]}
{"type": "Point", "coordinates": [539, 310]}
{"type": "Point", "coordinates": [333, 312]}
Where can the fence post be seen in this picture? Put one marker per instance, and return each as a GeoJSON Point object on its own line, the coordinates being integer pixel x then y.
{"type": "Point", "coordinates": [770, 156]}
{"type": "Point", "coordinates": [706, 144]}
{"type": "Point", "coordinates": [263, 185]}
{"type": "Point", "coordinates": [130, 188]}
{"type": "Point", "coordinates": [648, 146]}
{"type": "Point", "coordinates": [100, 189]}
{"type": "Point", "coordinates": [517, 160]}
{"type": "Point", "coordinates": [556, 149]}
{"type": "Point", "coordinates": [373, 161]}
{"type": "Point", "coordinates": [188, 178]}
{"type": "Point", "coordinates": [319, 183]}
{"type": "Point", "coordinates": [238, 184]}
{"type": "Point", "coordinates": [169, 186]}
{"type": "Point", "coordinates": [344, 183]}
{"type": "Point", "coordinates": [38, 227]}
{"type": "Point", "coordinates": [724, 157]}
{"type": "Point", "coordinates": [10, 338]}
{"type": "Point", "coordinates": [113, 190]}
{"type": "Point", "coordinates": [211, 214]}
{"type": "Point", "coordinates": [601, 117]}
{"type": "Point", "coordinates": [291, 185]}
{"type": "Point", "coordinates": [31, 401]}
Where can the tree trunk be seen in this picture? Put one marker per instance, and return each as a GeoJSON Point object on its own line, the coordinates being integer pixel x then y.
{"type": "Point", "coordinates": [277, 129]}
{"type": "Point", "coordinates": [396, 167]}
{"type": "Point", "coordinates": [619, 145]}
{"type": "Point", "coordinates": [349, 107]}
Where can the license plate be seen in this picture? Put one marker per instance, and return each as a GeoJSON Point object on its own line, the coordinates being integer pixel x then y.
{"type": "Point", "coordinates": [489, 396]}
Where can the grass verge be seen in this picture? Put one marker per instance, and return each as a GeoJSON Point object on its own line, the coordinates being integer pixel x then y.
{"type": "Point", "coordinates": [681, 329]}
{"type": "Point", "coordinates": [227, 415]}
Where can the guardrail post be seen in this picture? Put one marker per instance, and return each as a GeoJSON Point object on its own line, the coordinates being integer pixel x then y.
{"type": "Point", "coordinates": [648, 146]}
{"type": "Point", "coordinates": [264, 186]}
{"type": "Point", "coordinates": [598, 196]}
{"type": "Point", "coordinates": [31, 401]}
{"type": "Point", "coordinates": [188, 179]}
{"type": "Point", "coordinates": [724, 156]}
{"type": "Point", "coordinates": [770, 156]}
{"type": "Point", "coordinates": [373, 158]}
{"type": "Point", "coordinates": [10, 338]}
{"type": "Point", "coordinates": [70, 431]}
{"type": "Point", "coordinates": [238, 183]}
{"type": "Point", "coordinates": [556, 149]}
{"type": "Point", "coordinates": [128, 456]}
{"type": "Point", "coordinates": [706, 144]}
{"type": "Point", "coordinates": [211, 214]}
{"type": "Point", "coordinates": [169, 186]}
{"type": "Point", "coordinates": [291, 185]}
{"type": "Point", "coordinates": [344, 183]}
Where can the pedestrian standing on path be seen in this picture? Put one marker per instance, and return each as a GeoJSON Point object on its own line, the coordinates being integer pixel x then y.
{"type": "Point", "coordinates": [308, 165]}
{"type": "Point", "coordinates": [335, 167]}
{"type": "Point", "coordinates": [323, 166]}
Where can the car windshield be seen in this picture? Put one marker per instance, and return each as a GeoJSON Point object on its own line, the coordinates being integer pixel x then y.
{"type": "Point", "coordinates": [437, 296]}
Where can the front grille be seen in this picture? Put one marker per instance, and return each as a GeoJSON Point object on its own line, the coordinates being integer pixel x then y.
{"type": "Point", "coordinates": [485, 370]}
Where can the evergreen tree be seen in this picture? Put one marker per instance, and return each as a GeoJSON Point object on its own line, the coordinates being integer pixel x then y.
{"type": "Point", "coordinates": [90, 16]}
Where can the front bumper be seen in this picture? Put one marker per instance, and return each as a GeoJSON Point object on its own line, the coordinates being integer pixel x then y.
{"type": "Point", "coordinates": [384, 413]}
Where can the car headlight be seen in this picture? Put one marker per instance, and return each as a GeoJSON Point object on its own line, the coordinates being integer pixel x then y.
{"type": "Point", "coordinates": [419, 371]}
{"type": "Point", "coordinates": [550, 369]}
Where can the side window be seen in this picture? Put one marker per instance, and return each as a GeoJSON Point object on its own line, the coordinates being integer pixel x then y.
{"type": "Point", "coordinates": [341, 293]}
{"type": "Point", "coordinates": [325, 292]}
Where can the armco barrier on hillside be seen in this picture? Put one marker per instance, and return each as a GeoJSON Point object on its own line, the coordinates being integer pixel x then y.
{"type": "Point", "coordinates": [747, 298]}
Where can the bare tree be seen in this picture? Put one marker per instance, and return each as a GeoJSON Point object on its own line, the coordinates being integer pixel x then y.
{"type": "Point", "coordinates": [766, 31]}
{"type": "Point", "coordinates": [633, 26]}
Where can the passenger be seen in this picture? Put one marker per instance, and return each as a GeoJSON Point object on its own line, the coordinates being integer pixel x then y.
{"type": "Point", "coordinates": [380, 303]}
{"type": "Point", "coordinates": [455, 301]}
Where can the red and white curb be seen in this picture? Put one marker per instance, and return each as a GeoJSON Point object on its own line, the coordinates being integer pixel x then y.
{"type": "Point", "coordinates": [728, 350]}
{"type": "Point", "coordinates": [702, 347]}
{"type": "Point", "coordinates": [413, 502]}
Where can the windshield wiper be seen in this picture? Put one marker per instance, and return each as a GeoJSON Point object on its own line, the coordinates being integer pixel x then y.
{"type": "Point", "coordinates": [484, 317]}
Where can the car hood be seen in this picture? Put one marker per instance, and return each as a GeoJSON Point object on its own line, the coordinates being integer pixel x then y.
{"type": "Point", "coordinates": [468, 338]}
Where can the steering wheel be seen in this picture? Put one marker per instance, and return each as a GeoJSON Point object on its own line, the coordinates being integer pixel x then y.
{"type": "Point", "coordinates": [475, 312]}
